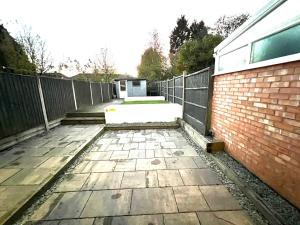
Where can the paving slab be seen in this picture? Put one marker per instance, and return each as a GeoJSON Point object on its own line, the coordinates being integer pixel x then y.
{"type": "Point", "coordinates": [108, 203]}
{"type": "Point", "coordinates": [150, 164]}
{"type": "Point", "coordinates": [27, 162]}
{"type": "Point", "coordinates": [224, 218]}
{"type": "Point", "coordinates": [119, 155]}
{"type": "Point", "coordinates": [219, 198]}
{"type": "Point", "coordinates": [98, 155]}
{"type": "Point", "coordinates": [181, 219]}
{"type": "Point", "coordinates": [169, 178]}
{"type": "Point", "coordinates": [99, 181]}
{"type": "Point", "coordinates": [137, 154]}
{"type": "Point", "coordinates": [190, 198]}
{"type": "Point", "coordinates": [131, 220]}
{"type": "Point", "coordinates": [99, 166]}
{"type": "Point", "coordinates": [180, 163]}
{"type": "Point", "coordinates": [72, 182]}
{"type": "Point", "coordinates": [86, 221]}
{"type": "Point", "coordinates": [199, 177]}
{"type": "Point", "coordinates": [153, 200]}
{"type": "Point", "coordinates": [7, 173]}
{"type": "Point", "coordinates": [125, 165]}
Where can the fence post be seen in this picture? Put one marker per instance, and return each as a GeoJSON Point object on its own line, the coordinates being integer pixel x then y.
{"type": "Point", "coordinates": [167, 89]}
{"type": "Point", "coordinates": [173, 89]}
{"type": "Point", "coordinates": [183, 92]}
{"type": "Point", "coordinates": [108, 91]}
{"type": "Point", "coordinates": [43, 103]}
{"type": "Point", "coordinates": [101, 91]}
{"type": "Point", "coordinates": [74, 95]}
{"type": "Point", "coordinates": [91, 91]}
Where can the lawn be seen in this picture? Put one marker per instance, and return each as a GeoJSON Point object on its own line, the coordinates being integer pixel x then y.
{"type": "Point", "coordinates": [145, 102]}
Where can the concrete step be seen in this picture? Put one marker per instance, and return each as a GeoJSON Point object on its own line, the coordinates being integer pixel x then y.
{"type": "Point", "coordinates": [83, 120]}
{"type": "Point", "coordinates": [85, 114]}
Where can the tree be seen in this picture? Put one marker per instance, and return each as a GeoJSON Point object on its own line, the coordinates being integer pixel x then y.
{"type": "Point", "coordinates": [196, 54]}
{"type": "Point", "coordinates": [36, 50]}
{"type": "Point", "coordinates": [225, 25]}
{"type": "Point", "coordinates": [153, 64]}
{"type": "Point", "coordinates": [179, 35]}
{"type": "Point", "coordinates": [198, 30]}
{"type": "Point", "coordinates": [103, 66]}
{"type": "Point", "coordinates": [12, 56]}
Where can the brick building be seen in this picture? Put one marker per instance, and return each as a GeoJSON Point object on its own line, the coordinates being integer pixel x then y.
{"type": "Point", "coordinates": [256, 98]}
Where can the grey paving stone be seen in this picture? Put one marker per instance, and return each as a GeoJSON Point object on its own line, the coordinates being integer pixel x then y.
{"type": "Point", "coordinates": [99, 181]}
{"type": "Point", "coordinates": [27, 162]}
{"type": "Point", "coordinates": [149, 154]}
{"type": "Point", "coordinates": [11, 197]}
{"type": "Point", "coordinates": [138, 139]}
{"type": "Point", "coordinates": [98, 156]}
{"type": "Point", "coordinates": [151, 179]}
{"type": "Point", "coordinates": [199, 177]}
{"type": "Point", "coordinates": [150, 164]}
{"type": "Point", "coordinates": [108, 203]}
{"type": "Point", "coordinates": [7, 173]}
{"type": "Point", "coordinates": [124, 140]}
{"type": "Point", "coordinates": [29, 176]}
{"type": "Point", "coordinates": [199, 162]}
{"type": "Point", "coordinates": [125, 165]}
{"type": "Point", "coordinates": [72, 182]}
{"type": "Point", "coordinates": [99, 166]}
{"type": "Point", "coordinates": [119, 155]}
{"type": "Point", "coordinates": [181, 219]}
{"type": "Point", "coordinates": [137, 154]}
{"type": "Point", "coordinates": [153, 145]}
{"type": "Point", "coordinates": [190, 198]}
{"type": "Point", "coordinates": [86, 221]}
{"type": "Point", "coordinates": [167, 178]}
{"type": "Point", "coordinates": [114, 147]}
{"type": "Point", "coordinates": [131, 220]}
{"type": "Point", "coordinates": [180, 163]}
{"type": "Point", "coordinates": [159, 153]}
{"type": "Point", "coordinates": [224, 218]}
{"type": "Point", "coordinates": [53, 222]}
{"type": "Point", "coordinates": [83, 166]}
{"type": "Point", "coordinates": [135, 179]}
{"type": "Point", "coordinates": [188, 151]}
{"type": "Point", "coordinates": [102, 140]}
{"type": "Point", "coordinates": [168, 144]}
{"type": "Point", "coordinates": [219, 198]}
{"type": "Point", "coordinates": [70, 205]}
{"type": "Point", "coordinates": [152, 201]}
{"type": "Point", "coordinates": [131, 146]}
{"type": "Point", "coordinates": [55, 163]}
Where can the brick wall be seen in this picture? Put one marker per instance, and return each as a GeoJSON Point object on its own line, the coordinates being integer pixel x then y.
{"type": "Point", "coordinates": [257, 114]}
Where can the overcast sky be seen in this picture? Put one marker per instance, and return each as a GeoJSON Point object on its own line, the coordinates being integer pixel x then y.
{"type": "Point", "coordinates": [79, 29]}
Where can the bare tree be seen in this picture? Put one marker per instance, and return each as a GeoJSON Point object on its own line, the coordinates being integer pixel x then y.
{"type": "Point", "coordinates": [36, 50]}
{"type": "Point", "coordinates": [103, 66]}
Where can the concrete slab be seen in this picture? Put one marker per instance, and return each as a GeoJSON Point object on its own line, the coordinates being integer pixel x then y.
{"type": "Point", "coordinates": [181, 219]}
{"type": "Point", "coordinates": [150, 164]}
{"type": "Point", "coordinates": [100, 181]}
{"type": "Point", "coordinates": [99, 166]}
{"type": "Point", "coordinates": [98, 156]}
{"type": "Point", "coordinates": [180, 163]}
{"type": "Point", "coordinates": [72, 182]}
{"type": "Point", "coordinates": [199, 177]}
{"type": "Point", "coordinates": [108, 203]}
{"type": "Point", "coordinates": [26, 162]}
{"type": "Point", "coordinates": [224, 218]}
{"type": "Point", "coordinates": [86, 221]}
{"type": "Point", "coordinates": [7, 173]}
{"type": "Point", "coordinates": [219, 198]}
{"type": "Point", "coordinates": [137, 154]}
{"type": "Point", "coordinates": [125, 165]}
{"type": "Point", "coordinates": [153, 200]}
{"type": "Point", "coordinates": [190, 198]}
{"type": "Point", "coordinates": [167, 178]}
{"type": "Point", "coordinates": [131, 220]}
{"type": "Point", "coordinates": [200, 163]}
{"type": "Point", "coordinates": [119, 155]}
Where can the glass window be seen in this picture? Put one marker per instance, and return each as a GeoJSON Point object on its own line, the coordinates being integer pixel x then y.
{"type": "Point", "coordinates": [123, 85]}
{"type": "Point", "coordinates": [284, 43]}
{"type": "Point", "coordinates": [233, 59]}
{"type": "Point", "coordinates": [136, 83]}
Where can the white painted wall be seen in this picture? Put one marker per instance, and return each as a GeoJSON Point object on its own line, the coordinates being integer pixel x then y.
{"type": "Point", "coordinates": [142, 113]}
{"type": "Point", "coordinates": [146, 98]}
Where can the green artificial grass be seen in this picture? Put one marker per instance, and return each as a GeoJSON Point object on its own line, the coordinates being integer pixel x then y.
{"type": "Point", "coordinates": [145, 102]}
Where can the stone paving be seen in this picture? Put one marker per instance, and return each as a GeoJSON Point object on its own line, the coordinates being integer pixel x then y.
{"type": "Point", "coordinates": [27, 167]}
{"type": "Point", "coordinates": [146, 177]}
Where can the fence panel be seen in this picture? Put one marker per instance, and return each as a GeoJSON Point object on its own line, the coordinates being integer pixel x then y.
{"type": "Point", "coordinates": [178, 89]}
{"type": "Point", "coordinates": [96, 91]}
{"type": "Point", "coordinates": [166, 90]}
{"type": "Point", "coordinates": [20, 105]}
{"type": "Point", "coordinates": [170, 90]}
{"type": "Point", "coordinates": [58, 97]}
{"type": "Point", "coordinates": [196, 103]}
{"type": "Point", "coordinates": [105, 90]}
{"type": "Point", "coordinates": [82, 92]}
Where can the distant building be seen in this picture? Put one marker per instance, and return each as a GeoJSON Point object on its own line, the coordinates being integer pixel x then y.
{"type": "Point", "coordinates": [130, 87]}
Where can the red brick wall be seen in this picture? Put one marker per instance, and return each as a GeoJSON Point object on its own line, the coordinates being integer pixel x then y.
{"type": "Point", "coordinates": [257, 114]}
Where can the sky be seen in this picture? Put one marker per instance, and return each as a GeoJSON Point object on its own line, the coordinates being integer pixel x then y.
{"type": "Point", "coordinates": [80, 28]}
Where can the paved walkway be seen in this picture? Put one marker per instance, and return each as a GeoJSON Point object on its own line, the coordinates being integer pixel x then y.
{"type": "Point", "coordinates": [29, 166]}
{"type": "Point", "coordinates": [99, 107]}
{"type": "Point", "coordinates": [147, 177]}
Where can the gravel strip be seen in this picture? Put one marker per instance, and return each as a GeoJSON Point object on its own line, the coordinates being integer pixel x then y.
{"type": "Point", "coordinates": [288, 212]}
{"type": "Point", "coordinates": [245, 203]}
